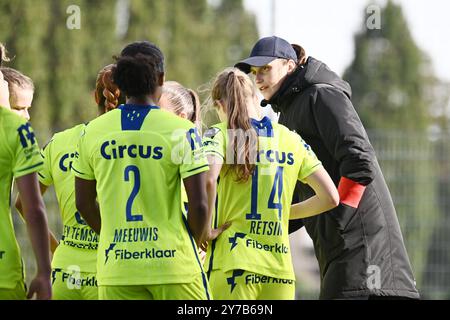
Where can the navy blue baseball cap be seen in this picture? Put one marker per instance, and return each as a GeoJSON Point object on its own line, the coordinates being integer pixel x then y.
{"type": "Point", "coordinates": [265, 51]}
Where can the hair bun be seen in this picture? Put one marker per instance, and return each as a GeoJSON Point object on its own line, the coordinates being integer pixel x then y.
{"type": "Point", "coordinates": [300, 52]}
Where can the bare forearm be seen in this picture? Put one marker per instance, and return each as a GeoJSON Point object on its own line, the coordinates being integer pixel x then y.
{"type": "Point", "coordinates": [310, 207]}
{"type": "Point", "coordinates": [91, 214]}
{"type": "Point", "coordinates": [211, 189]}
{"type": "Point", "coordinates": [198, 222]}
{"type": "Point", "coordinates": [36, 222]}
{"type": "Point", "coordinates": [326, 197]}
{"type": "Point", "coordinates": [85, 199]}
{"type": "Point", "coordinates": [18, 204]}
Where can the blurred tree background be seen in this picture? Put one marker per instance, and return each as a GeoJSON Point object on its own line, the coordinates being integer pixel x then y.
{"type": "Point", "coordinates": [402, 105]}
{"type": "Point", "coordinates": [396, 96]}
{"type": "Point", "coordinates": [198, 38]}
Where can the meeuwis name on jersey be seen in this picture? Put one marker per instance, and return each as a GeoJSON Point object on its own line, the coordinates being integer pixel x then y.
{"type": "Point", "coordinates": [139, 157]}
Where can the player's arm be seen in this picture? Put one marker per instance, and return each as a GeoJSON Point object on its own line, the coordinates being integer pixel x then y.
{"type": "Point", "coordinates": [215, 165]}
{"type": "Point", "coordinates": [198, 207]}
{"type": "Point", "coordinates": [85, 198]}
{"type": "Point", "coordinates": [53, 241]}
{"type": "Point", "coordinates": [326, 197]}
{"type": "Point", "coordinates": [36, 221]}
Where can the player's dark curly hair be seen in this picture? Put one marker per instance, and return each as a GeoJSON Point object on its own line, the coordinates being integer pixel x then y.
{"type": "Point", "coordinates": [138, 69]}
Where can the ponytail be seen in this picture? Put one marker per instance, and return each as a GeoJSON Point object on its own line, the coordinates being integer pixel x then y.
{"type": "Point", "coordinates": [195, 117]}
{"type": "Point", "coordinates": [232, 88]}
{"type": "Point", "coordinates": [182, 99]}
{"type": "Point", "coordinates": [301, 54]}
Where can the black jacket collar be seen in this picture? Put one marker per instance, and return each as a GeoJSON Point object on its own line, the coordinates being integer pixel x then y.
{"type": "Point", "coordinates": [291, 85]}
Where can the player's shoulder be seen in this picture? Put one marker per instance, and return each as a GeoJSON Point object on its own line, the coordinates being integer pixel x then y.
{"type": "Point", "coordinates": [65, 139]}
{"type": "Point", "coordinates": [171, 120]}
{"type": "Point", "coordinates": [212, 131]}
{"type": "Point", "coordinates": [107, 118]}
{"type": "Point", "coordinates": [106, 122]}
{"type": "Point", "coordinates": [12, 127]}
{"type": "Point", "coordinates": [285, 132]}
{"type": "Point", "coordinates": [10, 120]}
{"type": "Point", "coordinates": [280, 127]}
{"type": "Point", "coordinates": [73, 132]}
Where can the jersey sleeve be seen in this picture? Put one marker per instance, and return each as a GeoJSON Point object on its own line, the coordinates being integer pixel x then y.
{"type": "Point", "coordinates": [214, 142]}
{"type": "Point", "coordinates": [82, 165]}
{"type": "Point", "coordinates": [45, 174]}
{"type": "Point", "coordinates": [193, 159]}
{"type": "Point", "coordinates": [310, 162]}
{"type": "Point", "coordinates": [25, 148]}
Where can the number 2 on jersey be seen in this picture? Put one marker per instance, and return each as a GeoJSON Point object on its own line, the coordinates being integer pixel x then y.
{"type": "Point", "coordinates": [134, 192]}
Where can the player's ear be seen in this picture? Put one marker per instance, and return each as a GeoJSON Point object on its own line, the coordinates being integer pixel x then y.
{"type": "Point", "coordinates": [183, 115]}
{"type": "Point", "coordinates": [291, 66]}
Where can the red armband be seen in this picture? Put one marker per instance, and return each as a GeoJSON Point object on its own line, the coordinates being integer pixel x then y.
{"type": "Point", "coordinates": [350, 192]}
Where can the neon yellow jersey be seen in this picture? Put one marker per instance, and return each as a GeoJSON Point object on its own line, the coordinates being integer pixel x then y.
{"type": "Point", "coordinates": [138, 156]}
{"type": "Point", "coordinates": [78, 245]}
{"type": "Point", "coordinates": [258, 209]}
{"type": "Point", "coordinates": [19, 156]}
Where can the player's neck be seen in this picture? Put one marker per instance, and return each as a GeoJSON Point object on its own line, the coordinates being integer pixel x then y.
{"type": "Point", "coordinates": [253, 109]}
{"type": "Point", "coordinates": [141, 100]}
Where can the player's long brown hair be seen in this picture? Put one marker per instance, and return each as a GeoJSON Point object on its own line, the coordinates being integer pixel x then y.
{"type": "Point", "coordinates": [233, 88]}
{"type": "Point", "coordinates": [107, 94]}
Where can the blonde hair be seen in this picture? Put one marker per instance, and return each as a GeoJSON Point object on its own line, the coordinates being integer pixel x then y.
{"type": "Point", "coordinates": [182, 100]}
{"type": "Point", "coordinates": [16, 79]}
{"type": "Point", "coordinates": [233, 88]}
{"type": "Point", "coordinates": [3, 54]}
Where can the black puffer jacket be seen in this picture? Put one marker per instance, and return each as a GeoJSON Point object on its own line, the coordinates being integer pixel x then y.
{"type": "Point", "coordinates": [360, 251]}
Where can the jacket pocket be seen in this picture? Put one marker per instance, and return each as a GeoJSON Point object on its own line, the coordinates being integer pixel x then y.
{"type": "Point", "coordinates": [344, 216]}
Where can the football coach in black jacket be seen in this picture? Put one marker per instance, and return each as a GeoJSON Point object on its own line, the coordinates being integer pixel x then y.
{"type": "Point", "coordinates": [359, 245]}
